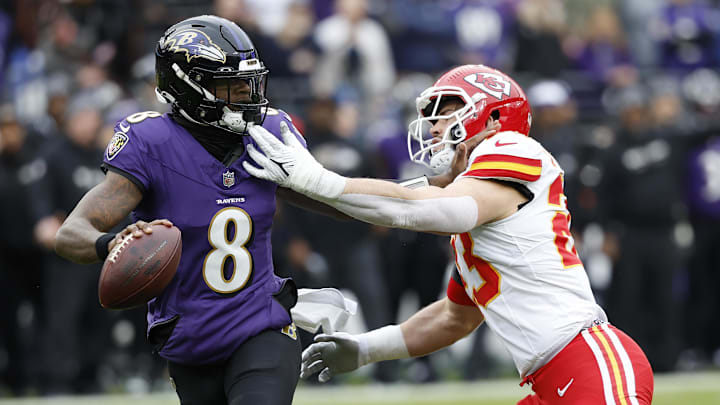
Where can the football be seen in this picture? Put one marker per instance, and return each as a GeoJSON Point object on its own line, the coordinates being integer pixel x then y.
{"type": "Point", "coordinates": [139, 269]}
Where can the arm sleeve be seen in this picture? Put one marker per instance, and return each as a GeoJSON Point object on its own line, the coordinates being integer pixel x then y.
{"type": "Point", "coordinates": [446, 214]}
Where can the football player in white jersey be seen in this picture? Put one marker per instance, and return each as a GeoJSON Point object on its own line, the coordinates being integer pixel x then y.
{"type": "Point", "coordinates": [517, 268]}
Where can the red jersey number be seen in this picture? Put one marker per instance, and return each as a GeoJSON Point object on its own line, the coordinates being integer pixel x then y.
{"type": "Point", "coordinates": [561, 226]}
{"type": "Point", "coordinates": [487, 288]}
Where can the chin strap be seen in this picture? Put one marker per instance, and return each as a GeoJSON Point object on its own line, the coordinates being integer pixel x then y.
{"type": "Point", "coordinates": [441, 161]}
{"type": "Point", "coordinates": [233, 121]}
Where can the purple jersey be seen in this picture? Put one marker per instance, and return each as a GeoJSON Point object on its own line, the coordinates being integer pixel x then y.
{"type": "Point", "coordinates": [222, 292]}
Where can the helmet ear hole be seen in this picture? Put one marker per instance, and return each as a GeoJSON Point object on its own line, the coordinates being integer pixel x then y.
{"type": "Point", "coordinates": [456, 132]}
{"type": "Point", "coordinates": [495, 115]}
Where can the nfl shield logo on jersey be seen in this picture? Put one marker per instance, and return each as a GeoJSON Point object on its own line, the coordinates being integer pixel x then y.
{"type": "Point", "coordinates": [228, 179]}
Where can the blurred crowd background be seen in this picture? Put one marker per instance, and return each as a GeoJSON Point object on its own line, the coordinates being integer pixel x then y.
{"type": "Point", "coordinates": [625, 94]}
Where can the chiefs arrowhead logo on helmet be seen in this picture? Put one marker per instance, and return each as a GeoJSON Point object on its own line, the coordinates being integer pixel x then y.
{"type": "Point", "coordinates": [491, 83]}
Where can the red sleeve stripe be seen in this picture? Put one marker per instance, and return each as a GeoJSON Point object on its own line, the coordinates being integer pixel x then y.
{"type": "Point", "coordinates": [506, 166]}
{"type": "Point", "coordinates": [456, 293]}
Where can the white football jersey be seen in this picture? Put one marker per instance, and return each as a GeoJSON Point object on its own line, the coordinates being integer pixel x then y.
{"type": "Point", "coordinates": [523, 271]}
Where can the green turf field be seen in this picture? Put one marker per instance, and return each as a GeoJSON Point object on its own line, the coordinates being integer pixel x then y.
{"type": "Point", "coordinates": [671, 389]}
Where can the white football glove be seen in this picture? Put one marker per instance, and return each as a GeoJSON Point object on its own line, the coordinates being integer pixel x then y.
{"type": "Point", "coordinates": [290, 165]}
{"type": "Point", "coordinates": [334, 354]}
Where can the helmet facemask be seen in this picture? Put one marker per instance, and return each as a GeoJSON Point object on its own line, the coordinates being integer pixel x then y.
{"type": "Point", "coordinates": [240, 97]}
{"type": "Point", "coordinates": [438, 152]}
{"type": "Point", "coordinates": [230, 99]}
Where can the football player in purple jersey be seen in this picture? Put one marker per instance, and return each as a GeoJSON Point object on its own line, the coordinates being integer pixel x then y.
{"type": "Point", "coordinates": [223, 323]}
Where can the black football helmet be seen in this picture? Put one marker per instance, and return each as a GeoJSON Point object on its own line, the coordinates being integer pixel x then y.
{"type": "Point", "coordinates": [207, 67]}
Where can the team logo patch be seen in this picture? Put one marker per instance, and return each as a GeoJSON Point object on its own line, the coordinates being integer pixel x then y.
{"type": "Point", "coordinates": [228, 179]}
{"type": "Point", "coordinates": [290, 331]}
{"type": "Point", "coordinates": [195, 44]}
{"type": "Point", "coordinates": [117, 143]}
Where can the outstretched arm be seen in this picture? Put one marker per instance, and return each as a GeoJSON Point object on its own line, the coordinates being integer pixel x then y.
{"type": "Point", "coordinates": [457, 208]}
{"type": "Point", "coordinates": [432, 328]}
{"type": "Point", "coordinates": [309, 204]}
{"type": "Point", "coordinates": [459, 164]}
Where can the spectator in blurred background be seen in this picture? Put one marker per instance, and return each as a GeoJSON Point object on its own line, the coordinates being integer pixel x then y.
{"type": "Point", "coordinates": [639, 18]}
{"type": "Point", "coordinates": [541, 26]}
{"type": "Point", "coordinates": [421, 38]}
{"type": "Point", "coordinates": [291, 55]}
{"type": "Point", "coordinates": [603, 53]}
{"type": "Point", "coordinates": [75, 334]}
{"type": "Point", "coordinates": [483, 31]}
{"type": "Point", "coordinates": [355, 53]}
{"type": "Point", "coordinates": [686, 31]}
{"type": "Point", "coordinates": [21, 262]}
{"type": "Point", "coordinates": [646, 220]}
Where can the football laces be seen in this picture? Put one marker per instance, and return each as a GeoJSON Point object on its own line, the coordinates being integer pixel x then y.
{"type": "Point", "coordinates": [115, 252]}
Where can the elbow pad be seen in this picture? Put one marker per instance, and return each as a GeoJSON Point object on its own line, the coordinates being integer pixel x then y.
{"type": "Point", "coordinates": [446, 215]}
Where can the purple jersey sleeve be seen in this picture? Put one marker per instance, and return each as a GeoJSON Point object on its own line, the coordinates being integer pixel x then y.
{"type": "Point", "coordinates": [272, 124]}
{"type": "Point", "coordinates": [127, 150]}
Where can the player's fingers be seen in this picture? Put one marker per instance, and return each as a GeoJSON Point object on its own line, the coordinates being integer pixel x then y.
{"type": "Point", "coordinates": [118, 239]}
{"type": "Point", "coordinates": [311, 352]}
{"type": "Point", "coordinates": [255, 172]}
{"type": "Point", "coordinates": [337, 337]}
{"type": "Point", "coordinates": [265, 140]}
{"type": "Point", "coordinates": [144, 227]}
{"type": "Point", "coordinates": [322, 337]}
{"type": "Point", "coordinates": [163, 221]}
{"type": "Point", "coordinates": [308, 370]}
{"type": "Point", "coordinates": [322, 348]}
{"type": "Point", "coordinates": [311, 357]}
{"type": "Point", "coordinates": [288, 136]}
{"type": "Point", "coordinates": [266, 164]}
{"type": "Point", "coordinates": [134, 230]}
{"type": "Point", "coordinates": [257, 156]}
{"type": "Point", "coordinates": [325, 375]}
{"type": "Point", "coordinates": [471, 143]}
{"type": "Point", "coordinates": [314, 367]}
{"type": "Point", "coordinates": [257, 134]}
{"type": "Point", "coordinates": [461, 151]}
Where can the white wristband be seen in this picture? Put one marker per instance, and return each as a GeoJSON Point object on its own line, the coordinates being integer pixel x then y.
{"type": "Point", "coordinates": [386, 343]}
